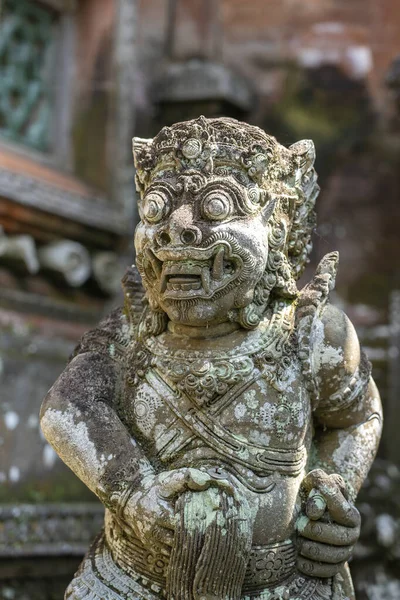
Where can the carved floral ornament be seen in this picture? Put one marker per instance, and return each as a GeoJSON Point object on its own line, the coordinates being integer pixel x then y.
{"type": "Point", "coordinates": [67, 260]}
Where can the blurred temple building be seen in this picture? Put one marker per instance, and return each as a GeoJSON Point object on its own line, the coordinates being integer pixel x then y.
{"type": "Point", "coordinates": [66, 215]}
{"type": "Point", "coordinates": [78, 78]}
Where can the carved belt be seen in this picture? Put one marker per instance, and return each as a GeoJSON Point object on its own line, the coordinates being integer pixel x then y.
{"type": "Point", "coordinates": [267, 565]}
{"type": "Point", "coordinates": [99, 577]}
{"type": "Point", "coordinates": [259, 459]}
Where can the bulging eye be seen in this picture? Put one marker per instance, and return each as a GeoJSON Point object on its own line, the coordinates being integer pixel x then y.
{"type": "Point", "coordinates": [154, 207]}
{"type": "Point", "coordinates": [216, 206]}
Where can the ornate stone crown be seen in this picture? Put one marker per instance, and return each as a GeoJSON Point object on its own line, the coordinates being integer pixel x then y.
{"type": "Point", "coordinates": [209, 144]}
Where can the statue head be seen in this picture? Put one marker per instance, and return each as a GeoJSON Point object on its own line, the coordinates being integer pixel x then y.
{"type": "Point", "coordinates": [226, 216]}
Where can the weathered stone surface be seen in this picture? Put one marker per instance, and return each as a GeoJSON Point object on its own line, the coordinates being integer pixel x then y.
{"type": "Point", "coordinates": [20, 251]}
{"type": "Point", "coordinates": [228, 423]}
{"type": "Point", "coordinates": [68, 260]}
{"type": "Point", "coordinates": [107, 272]}
{"type": "Point", "coordinates": [29, 530]}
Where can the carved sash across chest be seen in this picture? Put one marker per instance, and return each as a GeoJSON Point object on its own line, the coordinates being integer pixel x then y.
{"type": "Point", "coordinates": [186, 395]}
{"type": "Point", "coordinates": [204, 425]}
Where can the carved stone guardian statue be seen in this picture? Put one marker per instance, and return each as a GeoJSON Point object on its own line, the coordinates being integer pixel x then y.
{"type": "Point", "coordinates": [226, 420]}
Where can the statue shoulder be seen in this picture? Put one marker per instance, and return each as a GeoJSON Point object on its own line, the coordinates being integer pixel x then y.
{"type": "Point", "coordinates": [118, 329]}
{"type": "Point", "coordinates": [341, 369]}
{"type": "Point", "coordinates": [336, 352]}
{"type": "Point", "coordinates": [334, 367]}
{"type": "Point", "coordinates": [111, 337]}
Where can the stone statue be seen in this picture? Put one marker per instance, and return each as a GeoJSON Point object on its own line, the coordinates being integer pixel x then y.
{"type": "Point", "coordinates": [225, 419]}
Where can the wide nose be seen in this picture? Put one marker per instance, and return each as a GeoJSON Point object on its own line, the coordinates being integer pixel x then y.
{"type": "Point", "coordinates": [180, 229]}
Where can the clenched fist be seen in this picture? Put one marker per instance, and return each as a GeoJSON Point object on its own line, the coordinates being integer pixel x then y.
{"type": "Point", "coordinates": [150, 510]}
{"type": "Point", "coordinates": [329, 526]}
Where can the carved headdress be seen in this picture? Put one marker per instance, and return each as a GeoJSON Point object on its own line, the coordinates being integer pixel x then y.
{"type": "Point", "coordinates": [224, 146]}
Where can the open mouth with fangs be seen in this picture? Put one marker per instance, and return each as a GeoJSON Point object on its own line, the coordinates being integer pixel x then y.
{"type": "Point", "coordinates": [193, 272]}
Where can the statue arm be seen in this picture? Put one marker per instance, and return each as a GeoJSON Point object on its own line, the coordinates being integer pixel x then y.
{"type": "Point", "coordinates": [347, 429]}
{"type": "Point", "coordinates": [79, 420]}
{"type": "Point", "coordinates": [348, 418]}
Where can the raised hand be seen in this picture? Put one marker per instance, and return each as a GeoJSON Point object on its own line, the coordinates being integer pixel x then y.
{"type": "Point", "coordinates": [329, 526]}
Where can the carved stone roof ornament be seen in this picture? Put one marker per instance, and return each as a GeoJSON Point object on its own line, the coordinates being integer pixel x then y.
{"type": "Point", "coordinates": [193, 81]}
{"type": "Point", "coordinates": [225, 418]}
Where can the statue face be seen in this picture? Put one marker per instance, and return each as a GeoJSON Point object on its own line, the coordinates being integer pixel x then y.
{"type": "Point", "coordinates": [202, 245]}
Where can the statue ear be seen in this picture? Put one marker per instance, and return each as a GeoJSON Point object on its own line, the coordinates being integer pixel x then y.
{"type": "Point", "coordinates": [139, 147]}
{"type": "Point", "coordinates": [304, 152]}
{"type": "Point", "coordinates": [141, 152]}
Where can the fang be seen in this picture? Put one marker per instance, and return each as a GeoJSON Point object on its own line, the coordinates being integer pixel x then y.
{"type": "Point", "coordinates": [218, 266]}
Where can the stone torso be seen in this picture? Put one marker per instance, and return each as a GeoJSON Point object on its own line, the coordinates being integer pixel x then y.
{"type": "Point", "coordinates": [235, 406]}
